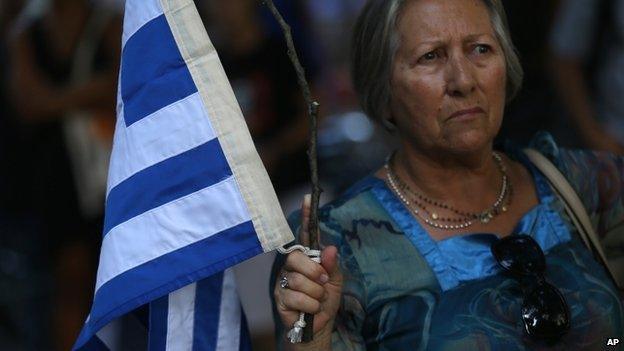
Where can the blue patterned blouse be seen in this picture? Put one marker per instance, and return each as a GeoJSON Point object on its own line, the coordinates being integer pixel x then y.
{"type": "Point", "coordinates": [405, 291]}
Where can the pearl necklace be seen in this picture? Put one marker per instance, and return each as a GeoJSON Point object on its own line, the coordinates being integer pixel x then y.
{"type": "Point", "coordinates": [466, 219]}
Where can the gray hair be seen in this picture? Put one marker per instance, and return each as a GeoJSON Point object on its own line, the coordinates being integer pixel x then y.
{"type": "Point", "coordinates": [375, 42]}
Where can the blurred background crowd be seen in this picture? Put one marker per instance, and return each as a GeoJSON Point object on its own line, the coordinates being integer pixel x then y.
{"type": "Point", "coordinates": [58, 75]}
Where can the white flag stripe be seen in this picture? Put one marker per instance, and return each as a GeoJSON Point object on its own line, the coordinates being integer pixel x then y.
{"type": "Point", "coordinates": [119, 142]}
{"type": "Point", "coordinates": [228, 338]}
{"type": "Point", "coordinates": [109, 335]}
{"type": "Point", "coordinates": [170, 227]}
{"type": "Point", "coordinates": [142, 11]}
{"type": "Point", "coordinates": [168, 132]}
{"type": "Point", "coordinates": [181, 319]}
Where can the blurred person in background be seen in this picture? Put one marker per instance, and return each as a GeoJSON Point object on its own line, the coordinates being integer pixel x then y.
{"type": "Point", "coordinates": [587, 45]}
{"type": "Point", "coordinates": [332, 22]}
{"type": "Point", "coordinates": [349, 145]}
{"type": "Point", "coordinates": [536, 107]}
{"type": "Point", "coordinates": [8, 11]}
{"type": "Point", "coordinates": [254, 56]}
{"type": "Point", "coordinates": [21, 282]}
{"type": "Point", "coordinates": [64, 65]}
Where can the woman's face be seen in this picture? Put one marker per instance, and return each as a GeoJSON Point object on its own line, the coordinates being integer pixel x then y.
{"type": "Point", "coordinates": [448, 77]}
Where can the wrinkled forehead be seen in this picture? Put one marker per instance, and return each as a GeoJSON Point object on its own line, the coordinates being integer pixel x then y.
{"type": "Point", "coordinates": [443, 20]}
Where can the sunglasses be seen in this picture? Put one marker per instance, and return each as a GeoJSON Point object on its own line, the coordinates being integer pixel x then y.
{"type": "Point", "coordinates": [545, 312]}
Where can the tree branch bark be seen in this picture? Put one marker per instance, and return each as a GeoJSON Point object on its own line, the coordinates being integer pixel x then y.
{"type": "Point", "coordinates": [313, 109]}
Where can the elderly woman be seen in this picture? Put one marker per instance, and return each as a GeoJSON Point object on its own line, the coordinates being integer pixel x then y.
{"type": "Point", "coordinates": [453, 244]}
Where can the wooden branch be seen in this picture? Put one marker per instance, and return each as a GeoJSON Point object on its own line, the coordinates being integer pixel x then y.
{"type": "Point", "coordinates": [313, 109]}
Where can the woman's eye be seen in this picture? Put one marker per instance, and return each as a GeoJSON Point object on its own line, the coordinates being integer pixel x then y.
{"type": "Point", "coordinates": [428, 57]}
{"type": "Point", "coordinates": [482, 49]}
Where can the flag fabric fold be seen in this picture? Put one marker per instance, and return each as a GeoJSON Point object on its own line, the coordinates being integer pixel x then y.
{"type": "Point", "coordinates": [187, 194]}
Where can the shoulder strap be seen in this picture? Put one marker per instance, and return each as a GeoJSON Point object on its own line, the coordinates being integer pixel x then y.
{"type": "Point", "coordinates": [573, 205]}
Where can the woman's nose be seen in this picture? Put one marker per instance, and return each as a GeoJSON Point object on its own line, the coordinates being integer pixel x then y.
{"type": "Point", "coordinates": [460, 77]}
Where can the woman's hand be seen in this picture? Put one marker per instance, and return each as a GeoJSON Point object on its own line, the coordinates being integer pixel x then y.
{"type": "Point", "coordinates": [312, 288]}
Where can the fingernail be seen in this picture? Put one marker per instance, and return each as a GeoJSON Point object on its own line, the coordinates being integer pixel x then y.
{"type": "Point", "coordinates": [324, 278]}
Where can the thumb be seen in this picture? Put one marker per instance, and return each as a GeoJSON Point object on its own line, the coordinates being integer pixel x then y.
{"type": "Point", "coordinates": [329, 261]}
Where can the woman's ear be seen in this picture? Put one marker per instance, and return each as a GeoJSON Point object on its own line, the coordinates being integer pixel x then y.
{"type": "Point", "coordinates": [388, 121]}
{"type": "Point", "coordinates": [387, 118]}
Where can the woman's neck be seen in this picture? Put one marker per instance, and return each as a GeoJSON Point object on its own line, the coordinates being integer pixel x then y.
{"type": "Point", "coordinates": [472, 178]}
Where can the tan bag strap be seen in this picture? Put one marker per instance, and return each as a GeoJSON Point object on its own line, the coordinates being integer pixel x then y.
{"type": "Point", "coordinates": [573, 205]}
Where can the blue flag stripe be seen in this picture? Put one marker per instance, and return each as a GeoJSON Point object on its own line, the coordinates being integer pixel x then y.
{"type": "Point", "coordinates": [207, 308]}
{"type": "Point", "coordinates": [147, 85]}
{"type": "Point", "coordinates": [166, 181]}
{"type": "Point", "coordinates": [142, 12]}
{"type": "Point", "coordinates": [152, 280]}
{"type": "Point", "coordinates": [168, 132]}
{"type": "Point", "coordinates": [171, 227]}
{"type": "Point", "coordinates": [158, 317]}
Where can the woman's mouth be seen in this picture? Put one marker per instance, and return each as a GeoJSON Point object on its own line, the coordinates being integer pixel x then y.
{"type": "Point", "coordinates": [467, 113]}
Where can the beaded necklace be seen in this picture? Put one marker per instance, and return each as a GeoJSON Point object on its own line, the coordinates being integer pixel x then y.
{"type": "Point", "coordinates": [464, 219]}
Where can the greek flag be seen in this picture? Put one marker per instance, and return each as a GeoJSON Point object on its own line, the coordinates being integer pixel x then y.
{"type": "Point", "coordinates": [187, 195]}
